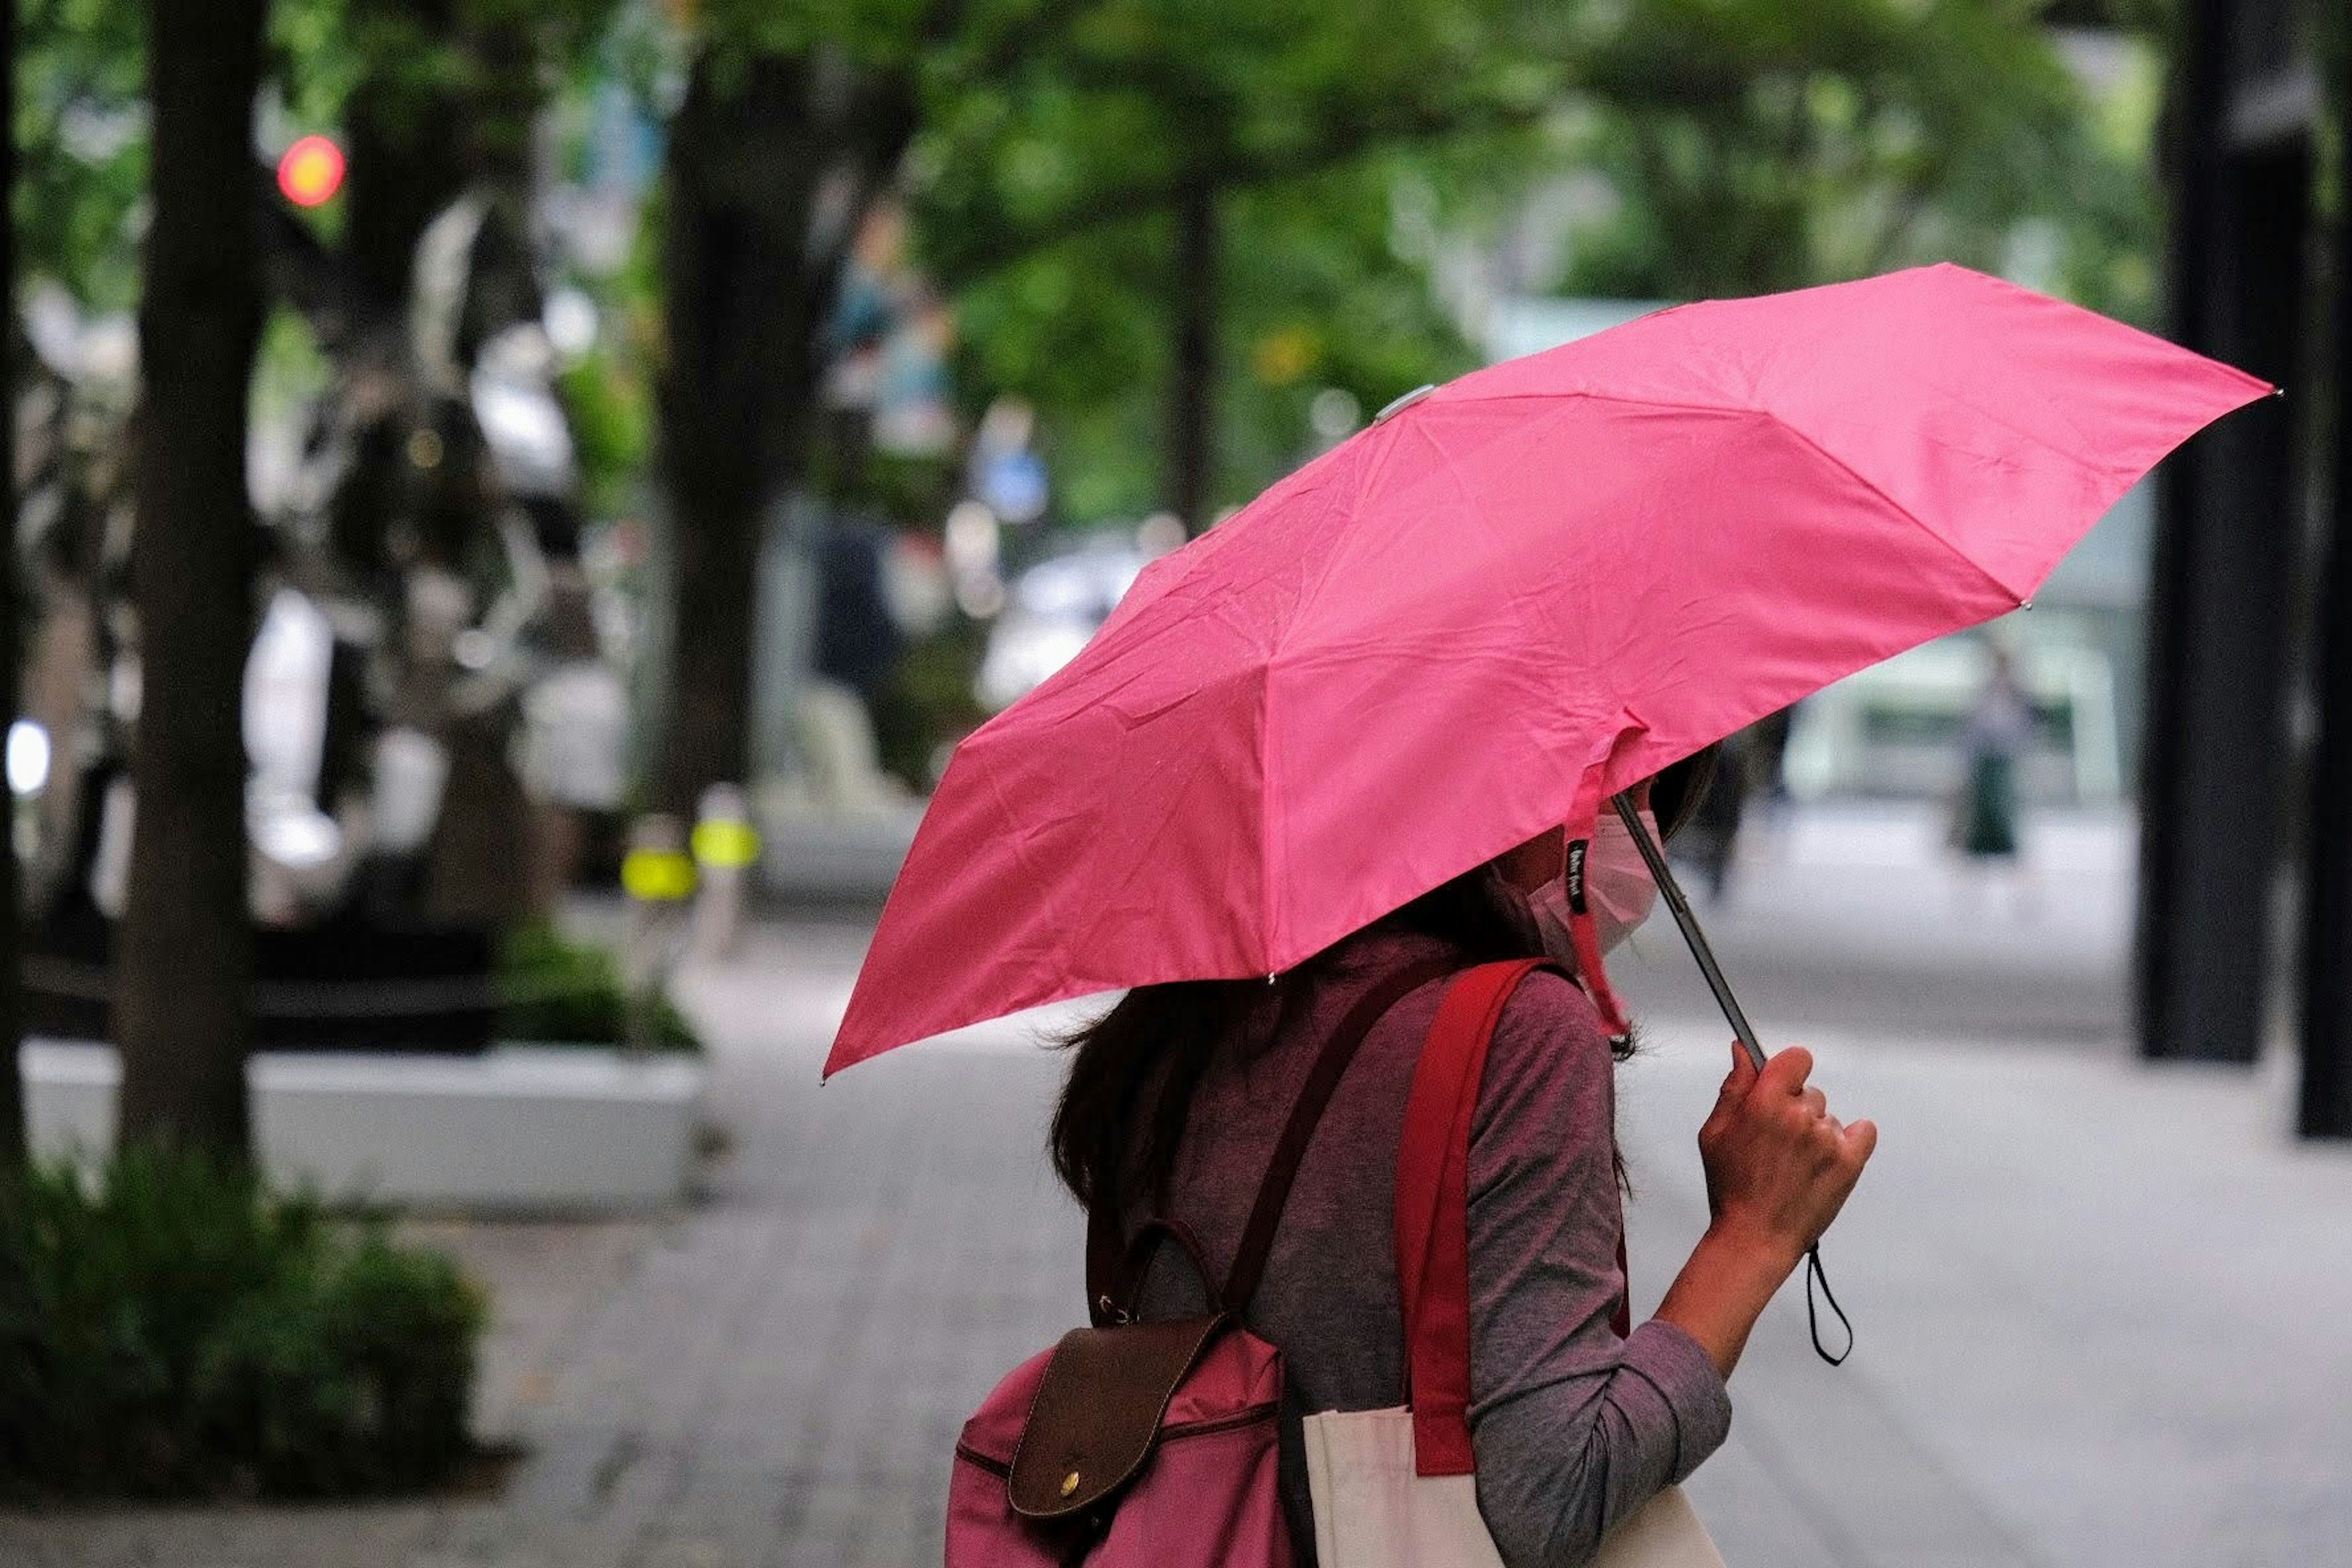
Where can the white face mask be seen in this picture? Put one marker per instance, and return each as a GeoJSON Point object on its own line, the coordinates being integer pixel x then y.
{"type": "Point", "coordinates": [1618, 890]}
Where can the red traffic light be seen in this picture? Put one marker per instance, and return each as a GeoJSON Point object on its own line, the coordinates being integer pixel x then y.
{"type": "Point", "coordinates": [311, 172]}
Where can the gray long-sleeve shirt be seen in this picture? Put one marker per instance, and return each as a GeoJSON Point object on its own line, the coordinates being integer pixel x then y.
{"type": "Point", "coordinates": [1573, 1428]}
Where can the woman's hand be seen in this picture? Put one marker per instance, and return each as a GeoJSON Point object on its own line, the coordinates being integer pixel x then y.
{"type": "Point", "coordinates": [1779, 1168]}
{"type": "Point", "coordinates": [1778, 1165]}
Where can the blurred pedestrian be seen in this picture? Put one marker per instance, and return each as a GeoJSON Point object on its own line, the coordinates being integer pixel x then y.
{"type": "Point", "coordinates": [1711, 842]}
{"type": "Point", "coordinates": [1999, 733]}
{"type": "Point", "coordinates": [858, 645]}
{"type": "Point", "coordinates": [1768, 772]}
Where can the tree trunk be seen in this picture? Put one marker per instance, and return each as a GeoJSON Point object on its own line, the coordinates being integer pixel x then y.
{"type": "Point", "coordinates": [1193, 373]}
{"type": "Point", "coordinates": [742, 313]}
{"type": "Point", "coordinates": [408, 145]}
{"type": "Point", "coordinates": [774, 161]}
{"type": "Point", "coordinates": [184, 960]}
{"type": "Point", "coordinates": [12, 1086]}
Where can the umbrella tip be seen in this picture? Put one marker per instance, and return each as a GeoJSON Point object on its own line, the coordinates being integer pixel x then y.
{"type": "Point", "coordinates": [1399, 406]}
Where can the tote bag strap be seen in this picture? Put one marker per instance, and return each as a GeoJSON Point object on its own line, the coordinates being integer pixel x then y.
{"type": "Point", "coordinates": [1433, 1214]}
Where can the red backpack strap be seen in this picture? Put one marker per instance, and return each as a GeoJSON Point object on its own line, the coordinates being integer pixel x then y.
{"type": "Point", "coordinates": [1433, 1214]}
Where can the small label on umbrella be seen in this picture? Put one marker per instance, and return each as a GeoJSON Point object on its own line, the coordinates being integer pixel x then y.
{"type": "Point", "coordinates": [1576, 876]}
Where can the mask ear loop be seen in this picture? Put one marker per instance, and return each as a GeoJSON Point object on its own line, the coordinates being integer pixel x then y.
{"type": "Point", "coordinates": [1582, 822]}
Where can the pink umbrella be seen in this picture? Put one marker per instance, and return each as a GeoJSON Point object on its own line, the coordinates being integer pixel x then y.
{"type": "Point", "coordinates": [1505, 601]}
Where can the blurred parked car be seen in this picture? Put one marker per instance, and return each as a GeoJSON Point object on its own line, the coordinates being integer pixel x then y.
{"type": "Point", "coordinates": [1051, 609]}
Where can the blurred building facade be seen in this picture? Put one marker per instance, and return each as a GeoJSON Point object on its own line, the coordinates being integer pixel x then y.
{"type": "Point", "coordinates": [2249, 748]}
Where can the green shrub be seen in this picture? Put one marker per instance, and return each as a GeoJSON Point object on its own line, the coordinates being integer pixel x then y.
{"type": "Point", "coordinates": [564, 991]}
{"type": "Point", "coordinates": [171, 1329]}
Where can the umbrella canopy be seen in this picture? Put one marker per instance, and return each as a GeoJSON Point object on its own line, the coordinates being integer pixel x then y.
{"type": "Point", "coordinates": [1526, 590]}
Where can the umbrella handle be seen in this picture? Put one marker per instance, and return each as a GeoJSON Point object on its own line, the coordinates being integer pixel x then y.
{"type": "Point", "coordinates": [1736, 1015]}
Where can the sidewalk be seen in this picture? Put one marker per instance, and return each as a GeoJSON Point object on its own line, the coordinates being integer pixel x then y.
{"type": "Point", "coordinates": [2100, 1314]}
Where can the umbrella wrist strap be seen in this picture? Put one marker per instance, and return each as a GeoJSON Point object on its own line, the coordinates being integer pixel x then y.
{"type": "Point", "coordinates": [1815, 1275]}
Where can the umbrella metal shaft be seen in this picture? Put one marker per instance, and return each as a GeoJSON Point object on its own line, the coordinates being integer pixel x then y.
{"type": "Point", "coordinates": [1683, 917]}
{"type": "Point", "coordinates": [1737, 1017]}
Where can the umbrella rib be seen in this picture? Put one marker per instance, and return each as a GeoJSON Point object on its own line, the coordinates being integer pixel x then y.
{"type": "Point", "coordinates": [1901, 511]}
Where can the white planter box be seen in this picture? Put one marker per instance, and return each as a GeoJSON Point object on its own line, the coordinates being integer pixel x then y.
{"type": "Point", "coordinates": [521, 1128]}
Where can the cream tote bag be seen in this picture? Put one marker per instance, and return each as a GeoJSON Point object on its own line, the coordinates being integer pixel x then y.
{"type": "Point", "coordinates": [1397, 1489]}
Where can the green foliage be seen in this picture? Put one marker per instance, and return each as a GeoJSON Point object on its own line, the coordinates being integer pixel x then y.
{"type": "Point", "coordinates": [173, 1330]}
{"type": "Point", "coordinates": [1320, 296]}
{"type": "Point", "coordinates": [611, 411]}
{"type": "Point", "coordinates": [1081, 332]}
{"type": "Point", "coordinates": [558, 991]}
{"type": "Point", "coordinates": [1749, 145]}
{"type": "Point", "coordinates": [495, 54]}
{"type": "Point", "coordinates": [1710, 147]}
{"type": "Point", "coordinates": [1044, 189]}
{"type": "Point", "coordinates": [1103, 115]}
{"type": "Point", "coordinates": [1314, 298]}
{"type": "Point", "coordinates": [81, 117]}
{"type": "Point", "coordinates": [81, 145]}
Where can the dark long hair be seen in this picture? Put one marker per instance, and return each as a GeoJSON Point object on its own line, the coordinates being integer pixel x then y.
{"type": "Point", "coordinates": [1133, 1071]}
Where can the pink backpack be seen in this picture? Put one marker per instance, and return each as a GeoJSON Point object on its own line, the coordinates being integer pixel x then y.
{"type": "Point", "coordinates": [1133, 1443]}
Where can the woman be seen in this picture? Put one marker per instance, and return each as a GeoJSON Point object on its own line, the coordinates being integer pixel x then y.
{"type": "Point", "coordinates": [1999, 734]}
{"type": "Point", "coordinates": [1176, 1097]}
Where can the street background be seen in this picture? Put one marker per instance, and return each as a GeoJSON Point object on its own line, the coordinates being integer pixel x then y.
{"type": "Point", "coordinates": [2098, 1309]}
{"type": "Point", "coordinates": [517, 502]}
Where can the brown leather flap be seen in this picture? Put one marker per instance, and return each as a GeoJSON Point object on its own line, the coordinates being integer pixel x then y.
{"type": "Point", "coordinates": [1098, 1411]}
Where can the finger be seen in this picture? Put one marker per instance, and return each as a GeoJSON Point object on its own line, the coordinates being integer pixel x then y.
{"type": "Point", "coordinates": [1787, 1071]}
{"type": "Point", "coordinates": [1816, 1101]}
{"type": "Point", "coordinates": [1729, 1098]}
{"type": "Point", "coordinates": [1861, 1138]}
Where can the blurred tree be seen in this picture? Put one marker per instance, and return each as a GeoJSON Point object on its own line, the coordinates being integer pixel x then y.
{"type": "Point", "coordinates": [183, 970]}
{"type": "Point", "coordinates": [2137, 16]}
{"type": "Point", "coordinates": [80, 121]}
{"type": "Point", "coordinates": [1174, 114]}
{"type": "Point", "coordinates": [1728, 145]}
{"type": "Point", "coordinates": [752, 262]}
{"type": "Point", "coordinates": [1327, 312]}
{"type": "Point", "coordinates": [793, 121]}
{"type": "Point", "coordinates": [437, 97]}
{"type": "Point", "coordinates": [12, 1086]}
{"type": "Point", "coordinates": [431, 95]}
{"type": "Point", "coordinates": [1750, 145]}
{"type": "Point", "coordinates": [1034, 122]}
